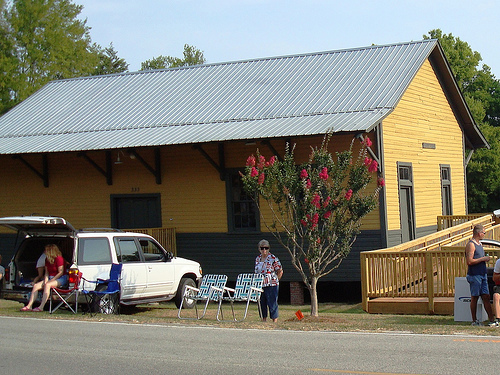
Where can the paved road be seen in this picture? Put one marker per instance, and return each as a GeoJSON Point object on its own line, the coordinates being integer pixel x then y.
{"type": "Point", "coordinates": [45, 346]}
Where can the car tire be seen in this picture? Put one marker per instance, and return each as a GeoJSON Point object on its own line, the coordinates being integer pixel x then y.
{"type": "Point", "coordinates": [188, 303]}
{"type": "Point", "coordinates": [106, 303]}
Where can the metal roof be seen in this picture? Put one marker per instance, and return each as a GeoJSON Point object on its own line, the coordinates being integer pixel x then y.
{"type": "Point", "coordinates": [341, 91]}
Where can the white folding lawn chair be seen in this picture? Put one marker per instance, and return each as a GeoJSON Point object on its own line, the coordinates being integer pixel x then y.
{"type": "Point", "coordinates": [248, 289]}
{"type": "Point", "coordinates": [210, 289]}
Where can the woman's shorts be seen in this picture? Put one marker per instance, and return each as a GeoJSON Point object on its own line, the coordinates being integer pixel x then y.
{"type": "Point", "coordinates": [62, 281]}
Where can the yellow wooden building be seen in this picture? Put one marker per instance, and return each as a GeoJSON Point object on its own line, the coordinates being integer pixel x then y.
{"type": "Point", "coordinates": [163, 148]}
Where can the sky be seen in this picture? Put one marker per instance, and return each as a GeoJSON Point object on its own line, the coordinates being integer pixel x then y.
{"type": "Point", "coordinates": [232, 30]}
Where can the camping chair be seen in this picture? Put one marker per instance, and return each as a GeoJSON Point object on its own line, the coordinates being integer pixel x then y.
{"type": "Point", "coordinates": [105, 298]}
{"type": "Point", "coordinates": [64, 294]}
{"type": "Point", "coordinates": [210, 289]}
{"type": "Point", "coordinates": [247, 289]}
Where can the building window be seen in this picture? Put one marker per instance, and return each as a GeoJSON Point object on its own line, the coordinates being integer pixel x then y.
{"type": "Point", "coordinates": [242, 212]}
{"type": "Point", "coordinates": [446, 189]}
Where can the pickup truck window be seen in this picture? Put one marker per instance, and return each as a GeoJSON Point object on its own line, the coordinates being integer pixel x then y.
{"type": "Point", "coordinates": [151, 250]}
{"type": "Point", "coordinates": [94, 251]}
{"type": "Point", "coordinates": [127, 250]}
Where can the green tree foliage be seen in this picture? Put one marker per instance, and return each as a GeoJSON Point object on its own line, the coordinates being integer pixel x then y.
{"type": "Point", "coordinates": [482, 93]}
{"type": "Point", "coordinates": [43, 40]}
{"type": "Point", "coordinates": [192, 56]}
{"type": "Point", "coordinates": [8, 61]}
{"type": "Point", "coordinates": [109, 61]}
{"type": "Point", "coordinates": [49, 43]}
{"type": "Point", "coordinates": [316, 208]}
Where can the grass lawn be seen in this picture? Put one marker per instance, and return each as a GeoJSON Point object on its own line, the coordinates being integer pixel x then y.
{"type": "Point", "coordinates": [332, 317]}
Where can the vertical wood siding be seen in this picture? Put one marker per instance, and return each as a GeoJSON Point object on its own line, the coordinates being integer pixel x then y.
{"type": "Point", "coordinates": [423, 115]}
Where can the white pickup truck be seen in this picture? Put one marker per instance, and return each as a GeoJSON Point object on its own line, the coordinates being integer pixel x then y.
{"type": "Point", "coordinates": [149, 273]}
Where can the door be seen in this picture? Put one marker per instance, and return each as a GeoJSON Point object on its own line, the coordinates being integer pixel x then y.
{"type": "Point", "coordinates": [136, 211]}
{"type": "Point", "coordinates": [406, 205]}
{"type": "Point", "coordinates": [446, 190]}
{"type": "Point", "coordinates": [134, 274]}
{"type": "Point", "coordinates": [160, 269]}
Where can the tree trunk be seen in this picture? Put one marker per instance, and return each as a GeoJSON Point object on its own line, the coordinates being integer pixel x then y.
{"type": "Point", "coordinates": [314, 296]}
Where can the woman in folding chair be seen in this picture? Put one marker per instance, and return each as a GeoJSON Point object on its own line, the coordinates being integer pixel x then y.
{"type": "Point", "coordinates": [269, 265]}
{"type": "Point", "coordinates": [55, 277]}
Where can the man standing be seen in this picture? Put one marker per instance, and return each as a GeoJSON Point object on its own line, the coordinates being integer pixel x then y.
{"type": "Point", "coordinates": [476, 275]}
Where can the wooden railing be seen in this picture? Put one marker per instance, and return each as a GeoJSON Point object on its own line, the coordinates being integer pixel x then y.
{"type": "Point", "coordinates": [425, 267]}
{"type": "Point", "coordinates": [448, 221]}
{"type": "Point", "coordinates": [165, 236]}
{"type": "Point", "coordinates": [435, 240]}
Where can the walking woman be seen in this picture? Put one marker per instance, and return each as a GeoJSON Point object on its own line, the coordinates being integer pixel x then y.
{"type": "Point", "coordinates": [269, 265]}
{"type": "Point", "coordinates": [55, 277]}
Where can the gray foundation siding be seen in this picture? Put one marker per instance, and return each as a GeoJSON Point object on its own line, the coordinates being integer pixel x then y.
{"type": "Point", "coordinates": [231, 254]}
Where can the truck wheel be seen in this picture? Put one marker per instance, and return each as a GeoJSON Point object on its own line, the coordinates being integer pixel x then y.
{"type": "Point", "coordinates": [188, 302]}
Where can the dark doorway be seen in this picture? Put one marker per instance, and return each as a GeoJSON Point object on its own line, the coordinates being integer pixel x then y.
{"type": "Point", "coordinates": [136, 211]}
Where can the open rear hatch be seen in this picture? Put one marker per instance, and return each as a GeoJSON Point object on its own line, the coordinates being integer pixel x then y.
{"type": "Point", "coordinates": [38, 225]}
{"type": "Point", "coordinates": [33, 233]}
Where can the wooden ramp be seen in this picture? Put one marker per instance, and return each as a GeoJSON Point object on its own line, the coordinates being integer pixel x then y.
{"type": "Point", "coordinates": [418, 277]}
{"type": "Point", "coordinates": [410, 306]}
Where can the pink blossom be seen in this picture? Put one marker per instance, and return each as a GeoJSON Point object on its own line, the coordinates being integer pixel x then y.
{"type": "Point", "coordinates": [315, 220]}
{"type": "Point", "coordinates": [308, 184]}
{"type": "Point", "coordinates": [367, 161]}
{"type": "Point", "coordinates": [254, 172]}
{"type": "Point", "coordinates": [315, 201]}
{"type": "Point", "coordinates": [272, 160]}
{"type": "Point", "coordinates": [380, 181]}
{"type": "Point", "coordinates": [327, 214]}
{"type": "Point", "coordinates": [324, 174]}
{"type": "Point", "coordinates": [318, 241]}
{"type": "Point", "coordinates": [325, 203]}
{"type": "Point", "coordinates": [368, 142]}
{"type": "Point", "coordinates": [251, 161]}
{"type": "Point", "coordinates": [303, 174]}
{"type": "Point", "coordinates": [262, 162]}
{"type": "Point", "coordinates": [373, 166]}
{"type": "Point", "coordinates": [261, 179]}
{"type": "Point", "coordinates": [348, 194]}
{"type": "Point", "coordinates": [303, 222]}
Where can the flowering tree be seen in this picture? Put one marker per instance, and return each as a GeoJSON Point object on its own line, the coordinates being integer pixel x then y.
{"type": "Point", "coordinates": [316, 208]}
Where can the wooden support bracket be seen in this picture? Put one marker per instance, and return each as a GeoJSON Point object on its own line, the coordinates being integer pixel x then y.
{"type": "Point", "coordinates": [271, 147]}
{"type": "Point", "coordinates": [156, 170]}
{"type": "Point", "coordinates": [44, 174]}
{"type": "Point", "coordinates": [107, 172]}
{"type": "Point", "coordinates": [221, 167]}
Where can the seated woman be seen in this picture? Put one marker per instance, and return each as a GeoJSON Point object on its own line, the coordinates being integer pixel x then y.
{"type": "Point", "coordinates": [55, 277]}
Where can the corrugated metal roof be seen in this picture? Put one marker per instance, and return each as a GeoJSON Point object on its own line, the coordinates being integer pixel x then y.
{"type": "Point", "coordinates": [347, 90]}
